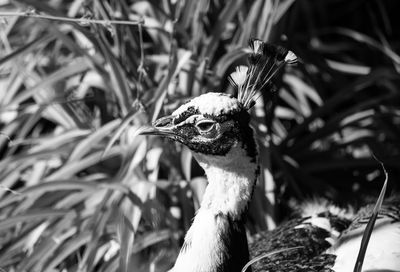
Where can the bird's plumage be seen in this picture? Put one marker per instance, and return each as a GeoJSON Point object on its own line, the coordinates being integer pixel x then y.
{"type": "Point", "coordinates": [331, 240]}
{"type": "Point", "coordinates": [313, 234]}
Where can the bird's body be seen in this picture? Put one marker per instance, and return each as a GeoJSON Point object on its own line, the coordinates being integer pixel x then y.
{"type": "Point", "coordinates": [331, 240]}
{"type": "Point", "coordinates": [215, 127]}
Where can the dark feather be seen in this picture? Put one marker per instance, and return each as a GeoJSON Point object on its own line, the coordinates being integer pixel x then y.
{"type": "Point", "coordinates": [312, 240]}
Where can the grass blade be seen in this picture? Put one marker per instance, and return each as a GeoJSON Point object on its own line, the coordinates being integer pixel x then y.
{"type": "Point", "coordinates": [256, 259]}
{"type": "Point", "coordinates": [371, 223]}
{"type": "Point", "coordinates": [38, 215]}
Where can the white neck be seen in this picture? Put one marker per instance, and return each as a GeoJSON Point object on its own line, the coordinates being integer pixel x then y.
{"type": "Point", "coordinates": [217, 238]}
{"type": "Point", "coordinates": [230, 184]}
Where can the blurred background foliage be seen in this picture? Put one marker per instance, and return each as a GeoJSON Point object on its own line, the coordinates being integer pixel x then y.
{"type": "Point", "coordinates": [82, 191]}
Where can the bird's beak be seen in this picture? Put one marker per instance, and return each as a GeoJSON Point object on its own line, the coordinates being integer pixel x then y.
{"type": "Point", "coordinates": [162, 127]}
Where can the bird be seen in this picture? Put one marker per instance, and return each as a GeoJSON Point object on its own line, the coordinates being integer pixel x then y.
{"type": "Point", "coordinates": [215, 126]}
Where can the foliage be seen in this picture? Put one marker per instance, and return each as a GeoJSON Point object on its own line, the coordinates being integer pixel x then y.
{"type": "Point", "coordinates": [83, 191]}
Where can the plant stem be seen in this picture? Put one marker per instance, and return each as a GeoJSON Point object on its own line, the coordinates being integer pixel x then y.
{"type": "Point", "coordinates": [68, 19]}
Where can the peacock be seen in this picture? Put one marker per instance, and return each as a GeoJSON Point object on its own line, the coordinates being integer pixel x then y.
{"type": "Point", "coordinates": [216, 128]}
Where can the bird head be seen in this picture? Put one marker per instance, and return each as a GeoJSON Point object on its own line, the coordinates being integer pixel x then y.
{"type": "Point", "coordinates": [214, 123]}
{"type": "Point", "coordinates": [210, 124]}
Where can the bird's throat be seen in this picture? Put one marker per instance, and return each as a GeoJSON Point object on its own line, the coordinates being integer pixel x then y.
{"type": "Point", "coordinates": [230, 186]}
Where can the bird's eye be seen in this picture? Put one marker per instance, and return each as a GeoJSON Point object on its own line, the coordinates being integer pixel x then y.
{"type": "Point", "coordinates": [205, 126]}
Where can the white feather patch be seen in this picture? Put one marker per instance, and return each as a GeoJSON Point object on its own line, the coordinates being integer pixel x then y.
{"type": "Point", "coordinates": [238, 77]}
{"type": "Point", "coordinates": [322, 223]}
{"type": "Point", "coordinates": [204, 249]}
{"type": "Point", "coordinates": [230, 181]}
{"type": "Point", "coordinates": [290, 58]}
{"type": "Point", "coordinates": [211, 103]}
{"type": "Point", "coordinates": [321, 205]}
{"type": "Point", "coordinates": [256, 46]}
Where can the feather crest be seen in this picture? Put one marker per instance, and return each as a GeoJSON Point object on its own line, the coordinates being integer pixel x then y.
{"type": "Point", "coordinates": [238, 77]}
{"type": "Point", "coordinates": [290, 58]}
{"type": "Point", "coordinates": [264, 63]}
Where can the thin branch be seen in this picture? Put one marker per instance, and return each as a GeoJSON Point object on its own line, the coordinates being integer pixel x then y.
{"type": "Point", "coordinates": [68, 19]}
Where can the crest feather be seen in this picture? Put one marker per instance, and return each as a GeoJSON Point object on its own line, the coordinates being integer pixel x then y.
{"type": "Point", "coordinates": [264, 62]}
{"type": "Point", "coordinates": [290, 58]}
{"type": "Point", "coordinates": [256, 45]}
{"type": "Point", "coordinates": [238, 77]}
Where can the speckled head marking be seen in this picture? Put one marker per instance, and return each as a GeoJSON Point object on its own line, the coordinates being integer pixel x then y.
{"type": "Point", "coordinates": [210, 124]}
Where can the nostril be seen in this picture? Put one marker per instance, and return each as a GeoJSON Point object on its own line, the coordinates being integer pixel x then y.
{"type": "Point", "coordinates": [163, 122]}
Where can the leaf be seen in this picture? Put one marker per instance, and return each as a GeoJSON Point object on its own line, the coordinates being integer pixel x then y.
{"type": "Point", "coordinates": [30, 46]}
{"type": "Point", "coordinates": [223, 64]}
{"type": "Point", "coordinates": [78, 66]}
{"type": "Point", "coordinates": [126, 238]}
{"type": "Point", "coordinates": [139, 156]}
{"type": "Point", "coordinates": [345, 94]}
{"type": "Point", "coordinates": [175, 68]}
{"type": "Point", "coordinates": [94, 139]}
{"type": "Point", "coordinates": [299, 87]}
{"type": "Point", "coordinates": [360, 37]}
{"type": "Point", "coordinates": [186, 162]}
{"type": "Point", "coordinates": [370, 226]}
{"type": "Point", "coordinates": [224, 17]}
{"type": "Point", "coordinates": [151, 239]}
{"type": "Point", "coordinates": [282, 9]}
{"type": "Point", "coordinates": [48, 244]}
{"type": "Point", "coordinates": [72, 168]}
{"type": "Point", "coordinates": [198, 186]}
{"type": "Point", "coordinates": [349, 68]}
{"type": "Point", "coordinates": [132, 114]}
{"type": "Point", "coordinates": [34, 236]}
{"type": "Point", "coordinates": [32, 215]}
{"type": "Point", "coordinates": [55, 141]}
{"type": "Point", "coordinates": [101, 218]}
{"type": "Point", "coordinates": [118, 80]}
{"type": "Point", "coordinates": [69, 248]}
